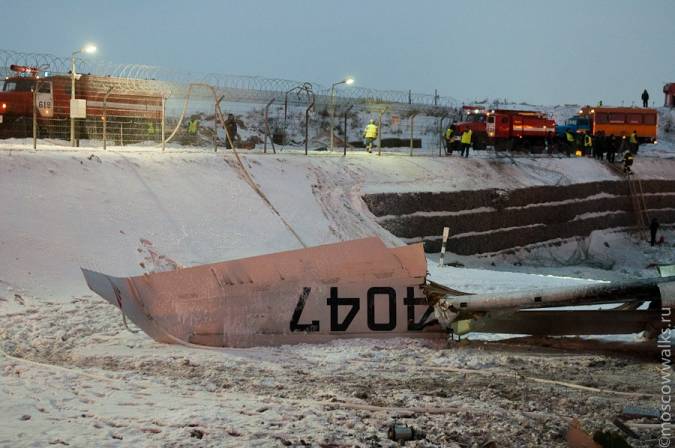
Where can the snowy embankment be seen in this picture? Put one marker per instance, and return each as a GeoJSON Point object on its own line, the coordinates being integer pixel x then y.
{"type": "Point", "coordinates": [123, 212]}
{"type": "Point", "coordinates": [113, 210]}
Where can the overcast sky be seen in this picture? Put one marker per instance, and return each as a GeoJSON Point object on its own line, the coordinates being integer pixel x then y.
{"type": "Point", "coordinates": [542, 52]}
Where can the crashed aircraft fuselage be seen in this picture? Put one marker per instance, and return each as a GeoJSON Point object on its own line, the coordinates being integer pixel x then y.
{"type": "Point", "coordinates": [353, 289]}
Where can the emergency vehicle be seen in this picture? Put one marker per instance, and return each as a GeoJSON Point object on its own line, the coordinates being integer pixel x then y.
{"type": "Point", "coordinates": [113, 98]}
{"type": "Point", "coordinates": [518, 129]}
{"type": "Point", "coordinates": [622, 121]}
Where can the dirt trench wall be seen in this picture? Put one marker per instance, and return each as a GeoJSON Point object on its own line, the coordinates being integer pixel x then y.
{"type": "Point", "coordinates": [492, 220]}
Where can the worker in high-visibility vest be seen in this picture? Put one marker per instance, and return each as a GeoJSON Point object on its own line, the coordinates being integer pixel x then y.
{"type": "Point", "coordinates": [588, 144]}
{"type": "Point", "coordinates": [193, 126]}
{"type": "Point", "coordinates": [570, 142]}
{"type": "Point", "coordinates": [193, 129]}
{"type": "Point", "coordinates": [370, 134]}
{"type": "Point", "coordinates": [151, 130]}
{"type": "Point", "coordinates": [466, 142]}
{"type": "Point", "coordinates": [448, 139]}
{"type": "Point", "coordinates": [634, 143]}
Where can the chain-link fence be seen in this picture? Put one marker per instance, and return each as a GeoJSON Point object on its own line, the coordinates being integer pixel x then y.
{"type": "Point", "coordinates": [115, 105]}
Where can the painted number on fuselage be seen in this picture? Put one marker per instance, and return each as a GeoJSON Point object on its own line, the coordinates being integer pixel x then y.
{"type": "Point", "coordinates": [354, 306]}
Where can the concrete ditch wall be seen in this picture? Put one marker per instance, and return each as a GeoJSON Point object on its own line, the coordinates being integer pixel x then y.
{"type": "Point", "coordinates": [492, 220]}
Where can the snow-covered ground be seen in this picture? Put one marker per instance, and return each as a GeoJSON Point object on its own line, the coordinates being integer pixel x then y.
{"type": "Point", "coordinates": [72, 374]}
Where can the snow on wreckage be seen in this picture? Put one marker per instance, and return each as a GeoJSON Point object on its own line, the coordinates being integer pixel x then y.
{"type": "Point", "coordinates": [351, 289]}
{"type": "Point", "coordinates": [357, 288]}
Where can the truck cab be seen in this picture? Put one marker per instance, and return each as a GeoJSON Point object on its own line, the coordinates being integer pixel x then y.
{"type": "Point", "coordinates": [474, 118]}
{"type": "Point", "coordinates": [16, 99]}
{"type": "Point", "coordinates": [575, 124]}
{"type": "Point", "coordinates": [16, 96]}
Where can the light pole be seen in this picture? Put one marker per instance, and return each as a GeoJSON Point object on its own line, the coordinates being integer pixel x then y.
{"type": "Point", "coordinates": [86, 49]}
{"type": "Point", "coordinates": [349, 81]}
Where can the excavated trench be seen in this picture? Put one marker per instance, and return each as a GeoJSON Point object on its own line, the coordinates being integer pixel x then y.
{"type": "Point", "coordinates": [494, 220]}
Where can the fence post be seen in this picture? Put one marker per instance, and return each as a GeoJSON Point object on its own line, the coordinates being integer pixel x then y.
{"type": "Point", "coordinates": [105, 129]}
{"type": "Point", "coordinates": [441, 135]}
{"type": "Point", "coordinates": [216, 108]}
{"type": "Point", "coordinates": [35, 88]}
{"type": "Point", "coordinates": [379, 134]}
{"type": "Point", "coordinates": [105, 118]}
{"type": "Point", "coordinates": [267, 127]}
{"type": "Point", "coordinates": [163, 122]}
{"type": "Point", "coordinates": [345, 127]}
{"type": "Point", "coordinates": [307, 123]}
{"type": "Point", "coordinates": [412, 124]}
{"type": "Point", "coordinates": [121, 133]}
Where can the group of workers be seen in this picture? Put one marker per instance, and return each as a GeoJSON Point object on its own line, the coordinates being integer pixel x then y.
{"type": "Point", "coordinates": [230, 130]}
{"type": "Point", "coordinates": [371, 131]}
{"type": "Point", "coordinates": [464, 141]}
{"type": "Point", "coordinates": [583, 144]}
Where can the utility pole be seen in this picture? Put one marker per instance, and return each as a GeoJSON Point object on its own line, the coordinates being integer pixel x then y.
{"type": "Point", "coordinates": [349, 81]}
{"type": "Point", "coordinates": [86, 49]}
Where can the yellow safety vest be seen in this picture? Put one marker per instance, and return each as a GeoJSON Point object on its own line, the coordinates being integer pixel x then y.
{"type": "Point", "coordinates": [371, 131]}
{"type": "Point", "coordinates": [192, 127]}
{"type": "Point", "coordinates": [570, 137]}
{"type": "Point", "coordinates": [633, 138]}
{"type": "Point", "coordinates": [448, 134]}
{"type": "Point", "coordinates": [588, 142]}
{"type": "Point", "coordinates": [466, 136]}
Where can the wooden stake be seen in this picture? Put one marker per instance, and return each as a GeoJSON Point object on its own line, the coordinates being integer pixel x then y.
{"type": "Point", "coordinates": [446, 233]}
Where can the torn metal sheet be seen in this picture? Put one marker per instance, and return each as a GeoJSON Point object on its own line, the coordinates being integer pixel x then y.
{"type": "Point", "coordinates": [559, 323]}
{"type": "Point", "coordinates": [353, 289]}
{"type": "Point", "coordinates": [539, 312]}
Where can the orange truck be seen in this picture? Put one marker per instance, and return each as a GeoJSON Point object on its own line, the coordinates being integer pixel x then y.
{"type": "Point", "coordinates": [622, 121]}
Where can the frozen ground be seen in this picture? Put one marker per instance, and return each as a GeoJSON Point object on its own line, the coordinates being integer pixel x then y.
{"type": "Point", "coordinates": [72, 374]}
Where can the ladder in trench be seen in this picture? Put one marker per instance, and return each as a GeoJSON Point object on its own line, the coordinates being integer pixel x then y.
{"type": "Point", "coordinates": [639, 205]}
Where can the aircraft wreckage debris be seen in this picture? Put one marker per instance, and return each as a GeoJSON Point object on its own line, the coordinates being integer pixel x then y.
{"type": "Point", "coordinates": [359, 288]}
{"type": "Point", "coordinates": [356, 288]}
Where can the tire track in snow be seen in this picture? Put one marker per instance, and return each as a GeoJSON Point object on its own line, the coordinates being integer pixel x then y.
{"type": "Point", "coordinates": [339, 197]}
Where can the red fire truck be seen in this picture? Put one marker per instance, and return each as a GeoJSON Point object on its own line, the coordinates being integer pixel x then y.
{"type": "Point", "coordinates": [134, 104]}
{"type": "Point", "coordinates": [518, 129]}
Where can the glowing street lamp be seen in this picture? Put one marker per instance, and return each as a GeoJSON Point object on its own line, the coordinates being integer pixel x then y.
{"type": "Point", "coordinates": [349, 81]}
{"type": "Point", "coordinates": [89, 48]}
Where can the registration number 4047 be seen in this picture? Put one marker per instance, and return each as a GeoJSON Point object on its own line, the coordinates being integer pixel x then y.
{"type": "Point", "coordinates": [353, 306]}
